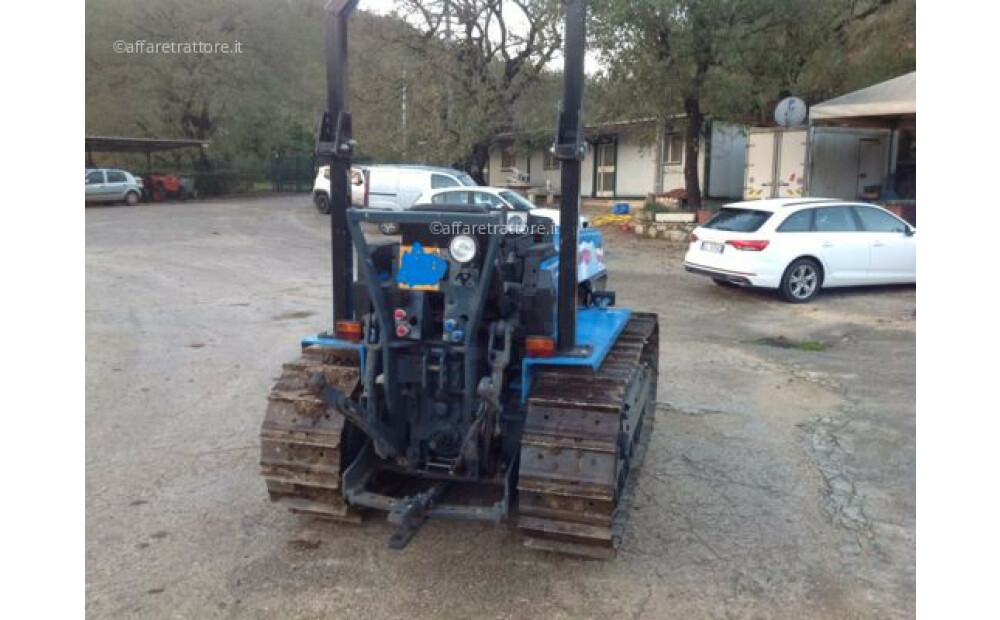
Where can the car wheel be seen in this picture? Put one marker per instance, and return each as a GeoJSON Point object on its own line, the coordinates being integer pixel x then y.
{"type": "Point", "coordinates": [322, 203]}
{"type": "Point", "coordinates": [723, 282]}
{"type": "Point", "coordinates": [801, 281]}
{"type": "Point", "coordinates": [132, 199]}
{"type": "Point", "coordinates": [389, 229]}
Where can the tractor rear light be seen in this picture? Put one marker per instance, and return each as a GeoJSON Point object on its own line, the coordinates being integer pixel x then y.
{"type": "Point", "coordinates": [540, 346]}
{"type": "Point", "coordinates": [399, 314]}
{"type": "Point", "coordinates": [750, 246]}
{"type": "Point", "coordinates": [402, 330]}
{"type": "Point", "coordinates": [348, 330]}
{"type": "Point", "coordinates": [692, 237]}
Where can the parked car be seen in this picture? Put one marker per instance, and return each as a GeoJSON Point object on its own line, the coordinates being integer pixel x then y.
{"type": "Point", "coordinates": [112, 185]}
{"type": "Point", "coordinates": [392, 187]}
{"type": "Point", "coordinates": [321, 188]}
{"type": "Point", "coordinates": [496, 198]}
{"type": "Point", "coordinates": [801, 245]}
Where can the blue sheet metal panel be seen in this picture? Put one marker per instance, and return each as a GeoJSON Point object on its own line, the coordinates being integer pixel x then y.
{"type": "Point", "coordinates": [418, 268]}
{"type": "Point", "coordinates": [335, 343]}
{"type": "Point", "coordinates": [596, 328]}
{"type": "Point", "coordinates": [590, 255]}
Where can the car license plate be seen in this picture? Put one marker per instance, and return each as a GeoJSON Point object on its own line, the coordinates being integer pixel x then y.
{"type": "Point", "coordinates": [711, 246]}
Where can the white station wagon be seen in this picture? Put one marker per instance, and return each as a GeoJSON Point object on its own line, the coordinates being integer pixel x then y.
{"type": "Point", "coordinates": [800, 245]}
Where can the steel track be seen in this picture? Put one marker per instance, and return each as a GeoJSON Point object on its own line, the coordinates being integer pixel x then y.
{"type": "Point", "coordinates": [300, 440]}
{"type": "Point", "coordinates": [584, 437]}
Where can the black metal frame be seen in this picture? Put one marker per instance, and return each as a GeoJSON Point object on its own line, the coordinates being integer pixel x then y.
{"type": "Point", "coordinates": [570, 148]}
{"type": "Point", "coordinates": [383, 312]}
{"type": "Point", "coordinates": [358, 475]}
{"type": "Point", "coordinates": [336, 143]}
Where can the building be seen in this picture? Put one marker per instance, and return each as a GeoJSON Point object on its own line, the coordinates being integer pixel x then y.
{"type": "Point", "coordinates": [891, 107]}
{"type": "Point", "coordinates": [627, 159]}
{"type": "Point", "coordinates": [859, 146]}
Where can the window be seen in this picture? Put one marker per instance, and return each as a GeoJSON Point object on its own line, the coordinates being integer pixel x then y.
{"type": "Point", "coordinates": [483, 198]}
{"type": "Point", "coordinates": [116, 176]}
{"type": "Point", "coordinates": [517, 201]}
{"type": "Point", "coordinates": [673, 149]}
{"type": "Point", "coordinates": [95, 177]}
{"type": "Point", "coordinates": [507, 158]}
{"type": "Point", "coordinates": [549, 161]}
{"type": "Point", "coordinates": [440, 180]}
{"type": "Point", "coordinates": [606, 154]}
{"type": "Point", "coordinates": [800, 221]}
{"type": "Point", "coordinates": [873, 220]}
{"type": "Point", "coordinates": [451, 198]}
{"type": "Point", "coordinates": [465, 179]}
{"type": "Point", "coordinates": [738, 220]}
{"type": "Point", "coordinates": [835, 219]}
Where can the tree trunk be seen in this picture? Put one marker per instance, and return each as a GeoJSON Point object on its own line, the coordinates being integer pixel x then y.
{"type": "Point", "coordinates": [476, 162]}
{"type": "Point", "coordinates": [692, 144]}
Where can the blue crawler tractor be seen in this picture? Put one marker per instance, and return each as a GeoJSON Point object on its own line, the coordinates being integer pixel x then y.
{"type": "Point", "coordinates": [477, 369]}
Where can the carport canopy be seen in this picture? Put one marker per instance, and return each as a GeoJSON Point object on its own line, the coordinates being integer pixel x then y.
{"type": "Point", "coordinates": [893, 98]}
{"type": "Point", "coordinates": [113, 144]}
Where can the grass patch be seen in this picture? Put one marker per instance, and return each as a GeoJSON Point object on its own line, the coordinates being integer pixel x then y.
{"type": "Point", "coordinates": [813, 345]}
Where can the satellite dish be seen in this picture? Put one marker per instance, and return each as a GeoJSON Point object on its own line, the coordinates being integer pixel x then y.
{"type": "Point", "coordinates": [790, 111]}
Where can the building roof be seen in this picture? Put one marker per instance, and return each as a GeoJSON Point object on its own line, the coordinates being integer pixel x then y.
{"type": "Point", "coordinates": [895, 97]}
{"type": "Point", "coordinates": [594, 129]}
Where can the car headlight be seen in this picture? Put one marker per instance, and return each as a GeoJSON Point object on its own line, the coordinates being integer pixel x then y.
{"type": "Point", "coordinates": [462, 248]}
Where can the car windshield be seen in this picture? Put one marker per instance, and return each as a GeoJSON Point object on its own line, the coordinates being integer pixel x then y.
{"type": "Point", "coordinates": [738, 220]}
{"type": "Point", "coordinates": [519, 202]}
{"type": "Point", "coordinates": [465, 179]}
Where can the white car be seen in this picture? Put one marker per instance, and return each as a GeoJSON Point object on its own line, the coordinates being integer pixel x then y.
{"type": "Point", "coordinates": [111, 185]}
{"type": "Point", "coordinates": [389, 186]}
{"type": "Point", "coordinates": [496, 198]}
{"type": "Point", "coordinates": [800, 245]}
{"type": "Point", "coordinates": [321, 188]}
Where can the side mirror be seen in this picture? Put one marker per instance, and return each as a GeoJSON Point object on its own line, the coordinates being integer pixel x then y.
{"type": "Point", "coordinates": [909, 232]}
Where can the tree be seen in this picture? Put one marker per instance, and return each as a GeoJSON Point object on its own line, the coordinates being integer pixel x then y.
{"type": "Point", "coordinates": [669, 55]}
{"type": "Point", "coordinates": [490, 53]}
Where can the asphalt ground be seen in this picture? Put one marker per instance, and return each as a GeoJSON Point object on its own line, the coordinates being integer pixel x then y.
{"type": "Point", "coordinates": [779, 482]}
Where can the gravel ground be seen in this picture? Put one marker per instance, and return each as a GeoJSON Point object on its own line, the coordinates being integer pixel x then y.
{"type": "Point", "coordinates": [779, 483]}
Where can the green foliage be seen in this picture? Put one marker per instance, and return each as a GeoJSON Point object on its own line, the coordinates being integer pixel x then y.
{"type": "Point", "coordinates": [753, 53]}
{"type": "Point", "coordinates": [251, 105]}
{"type": "Point", "coordinates": [734, 59]}
{"type": "Point", "coordinates": [422, 90]}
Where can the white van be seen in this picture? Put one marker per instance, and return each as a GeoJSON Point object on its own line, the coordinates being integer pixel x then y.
{"type": "Point", "coordinates": [392, 187]}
